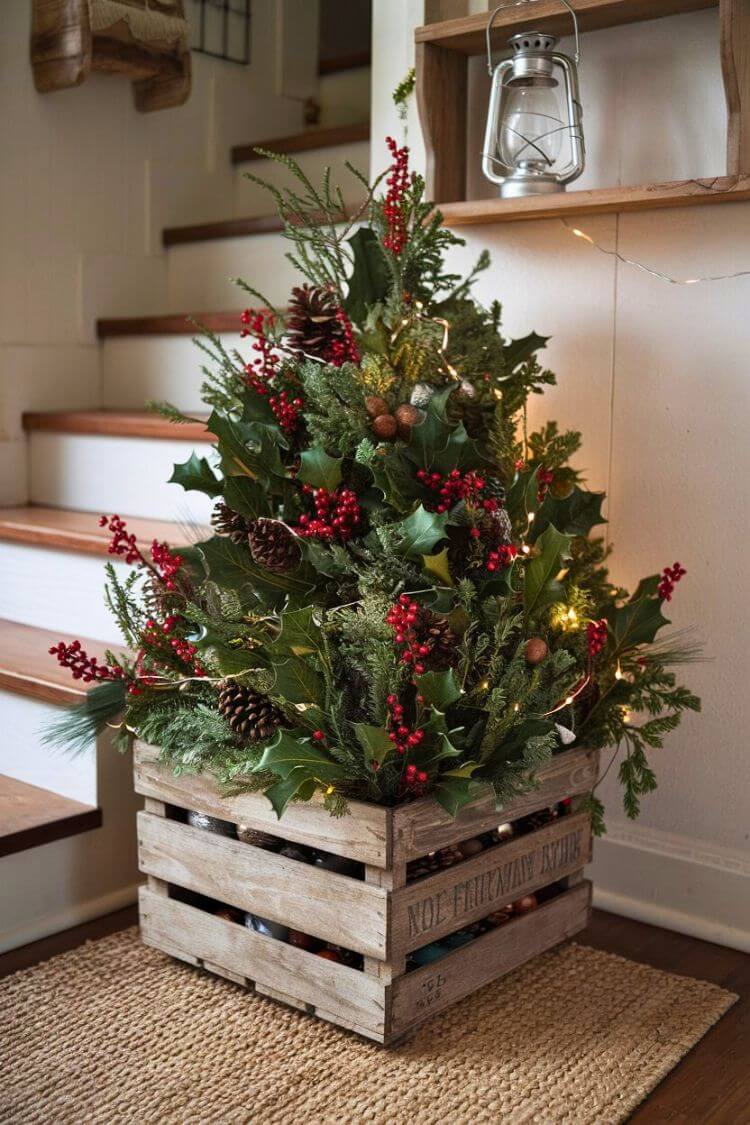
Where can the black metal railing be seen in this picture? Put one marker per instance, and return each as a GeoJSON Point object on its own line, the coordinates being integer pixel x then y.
{"type": "Point", "coordinates": [221, 28]}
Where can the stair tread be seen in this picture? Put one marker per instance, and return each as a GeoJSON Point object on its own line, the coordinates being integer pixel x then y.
{"type": "Point", "coordinates": [79, 531]}
{"type": "Point", "coordinates": [30, 816]}
{"type": "Point", "coordinates": [168, 324]}
{"type": "Point", "coordinates": [233, 228]}
{"type": "Point", "coordinates": [26, 667]}
{"type": "Point", "coordinates": [307, 141]}
{"type": "Point", "coordinates": [115, 423]}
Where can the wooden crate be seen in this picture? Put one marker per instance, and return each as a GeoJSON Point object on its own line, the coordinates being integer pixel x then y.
{"type": "Point", "coordinates": [382, 916]}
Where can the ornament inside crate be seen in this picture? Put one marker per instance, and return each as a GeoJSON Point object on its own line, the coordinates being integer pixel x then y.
{"type": "Point", "coordinates": [367, 942]}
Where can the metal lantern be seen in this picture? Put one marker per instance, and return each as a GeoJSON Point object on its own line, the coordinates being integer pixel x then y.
{"type": "Point", "coordinates": [534, 139]}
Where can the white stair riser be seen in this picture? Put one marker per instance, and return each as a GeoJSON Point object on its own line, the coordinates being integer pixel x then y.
{"type": "Point", "coordinates": [115, 474]}
{"type": "Point", "coordinates": [58, 590]}
{"type": "Point", "coordinates": [136, 369]}
{"type": "Point", "coordinates": [200, 274]}
{"type": "Point", "coordinates": [252, 199]}
{"type": "Point", "coordinates": [26, 758]}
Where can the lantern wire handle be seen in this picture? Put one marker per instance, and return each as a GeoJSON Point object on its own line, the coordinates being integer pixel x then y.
{"type": "Point", "coordinates": [502, 7]}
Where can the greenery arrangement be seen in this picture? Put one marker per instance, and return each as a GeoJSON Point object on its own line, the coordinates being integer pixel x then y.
{"type": "Point", "coordinates": [401, 594]}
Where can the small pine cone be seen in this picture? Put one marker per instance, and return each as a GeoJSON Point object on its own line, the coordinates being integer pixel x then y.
{"type": "Point", "coordinates": [463, 406]}
{"type": "Point", "coordinates": [443, 642]}
{"type": "Point", "coordinates": [497, 529]}
{"type": "Point", "coordinates": [251, 715]}
{"type": "Point", "coordinates": [226, 522]}
{"type": "Point", "coordinates": [312, 326]}
{"type": "Point", "coordinates": [273, 545]}
{"type": "Point", "coordinates": [493, 490]}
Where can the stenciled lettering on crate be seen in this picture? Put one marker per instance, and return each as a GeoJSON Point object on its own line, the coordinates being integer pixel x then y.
{"type": "Point", "coordinates": [466, 893]}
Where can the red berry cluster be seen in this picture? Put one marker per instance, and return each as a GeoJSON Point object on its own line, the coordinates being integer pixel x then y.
{"type": "Point", "coordinates": [500, 557]}
{"type": "Point", "coordinates": [121, 543]}
{"type": "Point", "coordinates": [403, 737]}
{"type": "Point", "coordinates": [167, 565]}
{"type": "Point", "coordinates": [337, 514]}
{"type": "Point", "coordinates": [286, 411]}
{"type": "Point", "coordinates": [414, 779]}
{"type": "Point", "coordinates": [456, 486]}
{"type": "Point", "coordinates": [263, 368]}
{"type": "Point", "coordinates": [158, 634]}
{"type": "Point", "coordinates": [398, 184]}
{"type": "Point", "coordinates": [346, 350]}
{"type": "Point", "coordinates": [403, 617]}
{"type": "Point", "coordinates": [670, 576]}
{"type": "Point", "coordinates": [544, 479]}
{"type": "Point", "coordinates": [83, 667]}
{"type": "Point", "coordinates": [596, 636]}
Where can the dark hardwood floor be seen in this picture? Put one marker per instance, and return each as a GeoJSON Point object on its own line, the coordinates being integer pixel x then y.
{"type": "Point", "coordinates": [709, 1087]}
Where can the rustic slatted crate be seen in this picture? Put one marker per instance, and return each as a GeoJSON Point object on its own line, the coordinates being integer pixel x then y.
{"type": "Point", "coordinates": [383, 917]}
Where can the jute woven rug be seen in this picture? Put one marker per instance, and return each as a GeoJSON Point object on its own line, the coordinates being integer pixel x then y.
{"type": "Point", "coordinates": [114, 1032]}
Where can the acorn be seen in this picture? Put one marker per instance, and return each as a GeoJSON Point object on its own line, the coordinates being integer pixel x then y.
{"type": "Point", "coordinates": [525, 905]}
{"type": "Point", "coordinates": [407, 416]}
{"type": "Point", "coordinates": [535, 650]}
{"type": "Point", "coordinates": [375, 405]}
{"type": "Point", "coordinates": [385, 427]}
{"type": "Point", "coordinates": [470, 847]}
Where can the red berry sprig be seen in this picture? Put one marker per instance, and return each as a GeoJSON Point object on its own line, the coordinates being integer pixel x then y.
{"type": "Point", "coordinates": [403, 737]}
{"type": "Point", "coordinates": [82, 666]}
{"type": "Point", "coordinates": [337, 514]}
{"type": "Point", "coordinates": [404, 619]}
{"type": "Point", "coordinates": [500, 557]}
{"type": "Point", "coordinates": [122, 543]}
{"type": "Point", "coordinates": [157, 635]}
{"type": "Point", "coordinates": [544, 479]}
{"type": "Point", "coordinates": [261, 370]}
{"type": "Point", "coordinates": [414, 779]}
{"type": "Point", "coordinates": [164, 565]}
{"type": "Point", "coordinates": [286, 411]}
{"type": "Point", "coordinates": [167, 564]}
{"type": "Point", "coordinates": [456, 486]}
{"type": "Point", "coordinates": [393, 209]}
{"type": "Point", "coordinates": [346, 350]}
{"type": "Point", "coordinates": [596, 637]}
{"type": "Point", "coordinates": [670, 576]}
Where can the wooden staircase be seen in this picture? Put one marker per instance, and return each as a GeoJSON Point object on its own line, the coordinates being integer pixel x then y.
{"type": "Point", "coordinates": [49, 545]}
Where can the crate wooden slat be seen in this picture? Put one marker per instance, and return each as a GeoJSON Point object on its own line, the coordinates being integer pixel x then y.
{"type": "Point", "coordinates": [383, 916]}
{"type": "Point", "coordinates": [425, 826]}
{"type": "Point", "coordinates": [436, 906]}
{"type": "Point", "coordinates": [420, 994]}
{"type": "Point", "coordinates": [195, 936]}
{"type": "Point", "coordinates": [364, 835]}
{"type": "Point", "coordinates": [271, 885]}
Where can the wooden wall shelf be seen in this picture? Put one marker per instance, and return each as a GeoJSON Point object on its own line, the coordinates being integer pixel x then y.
{"type": "Point", "coordinates": [442, 55]}
{"type": "Point", "coordinates": [600, 201]}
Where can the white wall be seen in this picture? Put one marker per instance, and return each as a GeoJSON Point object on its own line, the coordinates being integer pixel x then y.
{"type": "Point", "coordinates": [86, 186]}
{"type": "Point", "coordinates": [656, 376]}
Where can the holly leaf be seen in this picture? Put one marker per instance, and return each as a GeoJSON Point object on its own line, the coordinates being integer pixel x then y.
{"type": "Point", "coordinates": [196, 475]}
{"type": "Point", "coordinates": [430, 437]}
{"type": "Point", "coordinates": [247, 497]}
{"type": "Point", "coordinates": [420, 531]}
{"type": "Point", "coordinates": [287, 753]}
{"type": "Point", "coordinates": [298, 784]}
{"type": "Point", "coordinates": [574, 514]}
{"type": "Point", "coordinates": [522, 496]}
{"type": "Point", "coordinates": [300, 634]}
{"type": "Point", "coordinates": [246, 448]}
{"type": "Point", "coordinates": [456, 788]}
{"type": "Point", "coordinates": [257, 408]}
{"type": "Point", "coordinates": [518, 351]}
{"type": "Point", "coordinates": [374, 741]}
{"type": "Point", "coordinates": [231, 567]}
{"type": "Point", "coordinates": [370, 278]}
{"type": "Point", "coordinates": [439, 689]}
{"type": "Point", "coordinates": [298, 682]}
{"type": "Point", "coordinates": [635, 623]}
{"type": "Point", "coordinates": [438, 567]}
{"type": "Point", "coordinates": [540, 583]}
{"type": "Point", "coordinates": [319, 470]}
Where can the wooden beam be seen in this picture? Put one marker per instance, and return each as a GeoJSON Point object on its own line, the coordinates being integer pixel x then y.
{"type": "Point", "coordinates": [467, 35]}
{"type": "Point", "coordinates": [734, 32]}
{"type": "Point", "coordinates": [66, 530]}
{"type": "Point", "coordinates": [442, 90]}
{"type": "Point", "coordinates": [115, 423]}
{"type": "Point", "coordinates": [31, 816]}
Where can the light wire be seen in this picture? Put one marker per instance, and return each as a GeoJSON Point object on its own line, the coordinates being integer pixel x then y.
{"type": "Point", "coordinates": [649, 269]}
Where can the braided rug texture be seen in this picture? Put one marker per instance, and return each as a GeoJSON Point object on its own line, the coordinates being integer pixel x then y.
{"type": "Point", "coordinates": [114, 1032]}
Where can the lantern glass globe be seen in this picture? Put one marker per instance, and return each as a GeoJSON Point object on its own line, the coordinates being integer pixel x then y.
{"type": "Point", "coordinates": [531, 127]}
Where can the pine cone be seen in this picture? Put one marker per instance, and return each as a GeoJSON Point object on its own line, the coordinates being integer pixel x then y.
{"type": "Point", "coordinates": [463, 406]}
{"type": "Point", "coordinates": [226, 522]}
{"type": "Point", "coordinates": [273, 545]}
{"type": "Point", "coordinates": [498, 529]}
{"type": "Point", "coordinates": [250, 714]}
{"type": "Point", "coordinates": [443, 642]}
{"type": "Point", "coordinates": [312, 326]}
